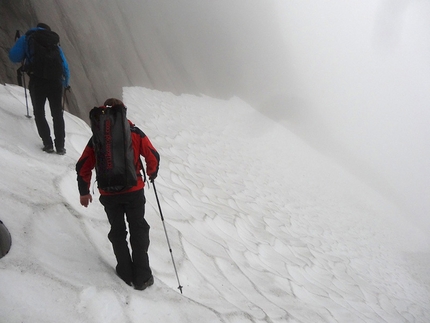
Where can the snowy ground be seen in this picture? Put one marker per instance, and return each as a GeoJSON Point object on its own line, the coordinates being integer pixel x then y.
{"type": "Point", "coordinates": [263, 228]}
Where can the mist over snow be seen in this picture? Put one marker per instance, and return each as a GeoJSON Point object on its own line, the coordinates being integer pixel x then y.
{"type": "Point", "coordinates": [350, 78]}
{"type": "Point", "coordinates": [263, 227]}
{"type": "Point", "coordinates": [363, 76]}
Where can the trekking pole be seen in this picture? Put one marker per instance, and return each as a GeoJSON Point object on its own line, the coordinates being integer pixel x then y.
{"type": "Point", "coordinates": [65, 97]}
{"type": "Point", "coordinates": [20, 74]}
{"type": "Point", "coordinates": [26, 100]}
{"type": "Point", "coordinates": [165, 231]}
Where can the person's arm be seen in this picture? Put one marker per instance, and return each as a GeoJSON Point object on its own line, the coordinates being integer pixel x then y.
{"type": "Point", "coordinates": [17, 52]}
{"type": "Point", "coordinates": [66, 71]}
{"type": "Point", "coordinates": [152, 157]}
{"type": "Point", "coordinates": [84, 168]}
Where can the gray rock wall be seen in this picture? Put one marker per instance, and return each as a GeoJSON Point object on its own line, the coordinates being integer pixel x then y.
{"type": "Point", "coordinates": [180, 47]}
{"type": "Point", "coordinates": [14, 15]}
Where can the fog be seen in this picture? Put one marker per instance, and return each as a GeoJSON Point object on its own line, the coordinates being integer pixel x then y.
{"type": "Point", "coordinates": [352, 78]}
{"type": "Point", "coordinates": [349, 77]}
{"type": "Point", "coordinates": [364, 77]}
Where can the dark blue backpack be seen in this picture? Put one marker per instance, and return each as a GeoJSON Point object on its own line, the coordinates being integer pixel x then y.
{"type": "Point", "coordinates": [44, 55]}
{"type": "Point", "coordinates": [115, 168]}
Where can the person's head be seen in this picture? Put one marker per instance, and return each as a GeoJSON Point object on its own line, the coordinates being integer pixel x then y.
{"type": "Point", "coordinates": [112, 102]}
{"type": "Point", "coordinates": [44, 26]}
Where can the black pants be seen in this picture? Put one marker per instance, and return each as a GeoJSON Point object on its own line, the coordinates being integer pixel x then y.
{"type": "Point", "coordinates": [135, 268]}
{"type": "Point", "coordinates": [40, 90]}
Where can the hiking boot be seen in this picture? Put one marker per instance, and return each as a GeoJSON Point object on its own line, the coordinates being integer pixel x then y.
{"type": "Point", "coordinates": [48, 149]}
{"type": "Point", "coordinates": [146, 284]}
{"type": "Point", "coordinates": [61, 151]}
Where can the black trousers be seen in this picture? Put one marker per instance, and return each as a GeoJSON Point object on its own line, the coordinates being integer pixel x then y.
{"type": "Point", "coordinates": [132, 268]}
{"type": "Point", "coordinates": [40, 91]}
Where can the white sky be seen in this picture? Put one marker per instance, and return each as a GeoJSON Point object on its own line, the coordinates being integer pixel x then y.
{"type": "Point", "coordinates": [263, 227]}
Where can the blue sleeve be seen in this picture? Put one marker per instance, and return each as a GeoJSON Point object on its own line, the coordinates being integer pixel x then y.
{"type": "Point", "coordinates": [17, 52]}
{"type": "Point", "coordinates": [66, 72]}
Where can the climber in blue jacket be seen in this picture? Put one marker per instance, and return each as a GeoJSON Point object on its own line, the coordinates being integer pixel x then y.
{"type": "Point", "coordinates": [44, 61]}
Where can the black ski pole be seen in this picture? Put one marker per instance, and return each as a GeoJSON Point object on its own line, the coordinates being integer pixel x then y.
{"type": "Point", "coordinates": [20, 74]}
{"type": "Point", "coordinates": [65, 101]}
{"type": "Point", "coordinates": [26, 100]}
{"type": "Point", "coordinates": [165, 231]}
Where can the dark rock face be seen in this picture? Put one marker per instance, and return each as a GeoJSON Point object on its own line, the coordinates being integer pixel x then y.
{"type": "Point", "coordinates": [14, 15]}
{"type": "Point", "coordinates": [213, 48]}
{"type": "Point", "coordinates": [106, 48]}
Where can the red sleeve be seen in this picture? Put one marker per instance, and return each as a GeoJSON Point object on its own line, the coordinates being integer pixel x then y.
{"type": "Point", "coordinates": [84, 168]}
{"type": "Point", "coordinates": [152, 158]}
{"type": "Point", "coordinates": [144, 147]}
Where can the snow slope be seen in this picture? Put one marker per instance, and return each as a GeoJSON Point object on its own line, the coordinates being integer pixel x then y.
{"type": "Point", "coordinates": [262, 227]}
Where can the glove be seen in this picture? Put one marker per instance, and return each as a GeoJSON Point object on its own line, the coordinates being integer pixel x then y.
{"type": "Point", "coordinates": [152, 177]}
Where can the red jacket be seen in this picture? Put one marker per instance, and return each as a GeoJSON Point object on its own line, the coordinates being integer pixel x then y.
{"type": "Point", "coordinates": [141, 146]}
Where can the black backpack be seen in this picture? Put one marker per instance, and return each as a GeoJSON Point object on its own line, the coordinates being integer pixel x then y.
{"type": "Point", "coordinates": [115, 168]}
{"type": "Point", "coordinates": [45, 60]}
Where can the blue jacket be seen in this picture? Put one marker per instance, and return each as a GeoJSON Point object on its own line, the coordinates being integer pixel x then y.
{"type": "Point", "coordinates": [20, 52]}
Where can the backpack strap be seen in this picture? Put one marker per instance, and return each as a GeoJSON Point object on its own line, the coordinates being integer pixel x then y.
{"type": "Point", "coordinates": [133, 127]}
{"type": "Point", "coordinates": [143, 170]}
